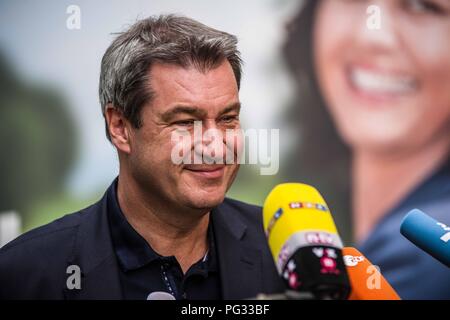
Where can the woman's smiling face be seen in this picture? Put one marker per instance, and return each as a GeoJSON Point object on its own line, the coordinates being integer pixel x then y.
{"type": "Point", "coordinates": [386, 89]}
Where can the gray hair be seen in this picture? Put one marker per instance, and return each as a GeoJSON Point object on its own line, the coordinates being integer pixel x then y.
{"type": "Point", "coordinates": [124, 75]}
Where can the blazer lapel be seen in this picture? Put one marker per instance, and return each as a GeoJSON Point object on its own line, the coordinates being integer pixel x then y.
{"type": "Point", "coordinates": [240, 262]}
{"type": "Point", "coordinates": [94, 254]}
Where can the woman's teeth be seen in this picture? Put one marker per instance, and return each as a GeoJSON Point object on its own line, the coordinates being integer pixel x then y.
{"type": "Point", "coordinates": [381, 83]}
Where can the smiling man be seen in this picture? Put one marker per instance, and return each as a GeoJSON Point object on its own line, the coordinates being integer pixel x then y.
{"type": "Point", "coordinates": [162, 228]}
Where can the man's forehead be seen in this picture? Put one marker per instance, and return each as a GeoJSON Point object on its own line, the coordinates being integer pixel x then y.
{"type": "Point", "coordinates": [192, 79]}
{"type": "Point", "coordinates": [211, 89]}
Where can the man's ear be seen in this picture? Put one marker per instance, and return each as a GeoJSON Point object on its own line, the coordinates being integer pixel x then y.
{"type": "Point", "coordinates": [118, 128]}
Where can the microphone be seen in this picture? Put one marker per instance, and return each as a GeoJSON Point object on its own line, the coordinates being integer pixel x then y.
{"type": "Point", "coordinates": [365, 278]}
{"type": "Point", "coordinates": [304, 241]}
{"type": "Point", "coordinates": [160, 295]}
{"type": "Point", "coordinates": [431, 236]}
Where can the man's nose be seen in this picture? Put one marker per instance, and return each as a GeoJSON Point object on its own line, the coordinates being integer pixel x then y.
{"type": "Point", "coordinates": [211, 133]}
{"type": "Point", "coordinates": [211, 143]}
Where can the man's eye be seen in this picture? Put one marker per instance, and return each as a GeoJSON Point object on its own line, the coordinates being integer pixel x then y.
{"type": "Point", "coordinates": [228, 119]}
{"type": "Point", "coordinates": [185, 122]}
{"type": "Point", "coordinates": [424, 6]}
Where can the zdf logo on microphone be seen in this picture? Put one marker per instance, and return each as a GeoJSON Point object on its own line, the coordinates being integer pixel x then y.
{"type": "Point", "coordinates": [351, 261]}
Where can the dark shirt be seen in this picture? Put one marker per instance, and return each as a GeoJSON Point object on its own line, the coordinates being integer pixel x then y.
{"type": "Point", "coordinates": [143, 271]}
{"type": "Point", "coordinates": [412, 272]}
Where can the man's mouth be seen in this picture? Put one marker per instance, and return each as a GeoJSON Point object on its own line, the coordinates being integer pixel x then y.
{"type": "Point", "coordinates": [212, 171]}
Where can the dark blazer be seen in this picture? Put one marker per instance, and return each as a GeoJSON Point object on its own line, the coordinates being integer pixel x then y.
{"type": "Point", "coordinates": [34, 265]}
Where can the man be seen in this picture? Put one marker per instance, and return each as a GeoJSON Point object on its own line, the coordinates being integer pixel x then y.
{"type": "Point", "coordinates": [162, 226]}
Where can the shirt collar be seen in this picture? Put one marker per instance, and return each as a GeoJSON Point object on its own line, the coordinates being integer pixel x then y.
{"type": "Point", "coordinates": [132, 250]}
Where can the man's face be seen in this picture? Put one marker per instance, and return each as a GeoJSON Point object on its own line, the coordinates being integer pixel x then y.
{"type": "Point", "coordinates": [182, 96]}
